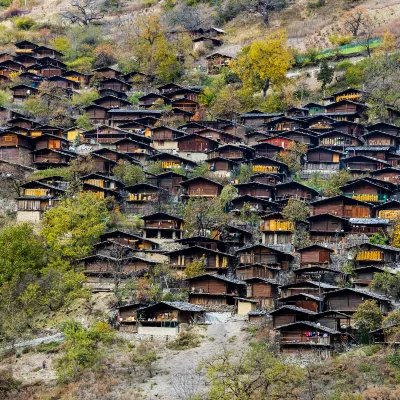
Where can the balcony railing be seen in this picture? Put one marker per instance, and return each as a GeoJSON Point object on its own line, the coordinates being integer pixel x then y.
{"type": "Point", "coordinates": [369, 256]}
{"type": "Point", "coordinates": [375, 198]}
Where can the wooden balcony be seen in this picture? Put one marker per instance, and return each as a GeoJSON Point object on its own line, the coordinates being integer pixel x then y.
{"type": "Point", "coordinates": [170, 164]}
{"type": "Point", "coordinates": [36, 192]}
{"type": "Point", "coordinates": [278, 225]}
{"type": "Point", "coordinates": [140, 196]}
{"type": "Point", "coordinates": [370, 256]}
{"type": "Point", "coordinates": [265, 168]}
{"type": "Point", "coordinates": [374, 198]}
{"type": "Point", "coordinates": [390, 214]}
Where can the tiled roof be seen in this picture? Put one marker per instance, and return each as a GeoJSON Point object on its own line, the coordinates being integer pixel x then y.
{"type": "Point", "coordinates": [311, 325]}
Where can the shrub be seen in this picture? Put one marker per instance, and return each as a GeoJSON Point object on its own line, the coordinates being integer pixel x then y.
{"type": "Point", "coordinates": [25, 23]}
{"type": "Point", "coordinates": [5, 3]}
{"type": "Point", "coordinates": [185, 340]}
{"type": "Point", "coordinates": [393, 360]}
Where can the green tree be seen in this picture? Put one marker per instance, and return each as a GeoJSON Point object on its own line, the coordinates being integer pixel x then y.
{"type": "Point", "coordinates": [332, 185]}
{"type": "Point", "coordinates": [296, 210]}
{"type": "Point", "coordinates": [201, 170]}
{"type": "Point", "coordinates": [4, 98]}
{"type": "Point", "coordinates": [84, 348]}
{"type": "Point", "coordinates": [129, 174]}
{"type": "Point", "coordinates": [264, 63]}
{"type": "Point", "coordinates": [378, 238]}
{"type": "Point", "coordinates": [257, 374]}
{"type": "Point", "coordinates": [293, 155]}
{"type": "Point", "coordinates": [21, 251]}
{"type": "Point", "coordinates": [84, 98]}
{"type": "Point", "coordinates": [155, 168]}
{"type": "Point", "coordinates": [228, 193]}
{"type": "Point", "coordinates": [196, 267]}
{"type": "Point", "coordinates": [325, 74]}
{"type": "Point", "coordinates": [145, 355]}
{"type": "Point", "coordinates": [83, 122]}
{"type": "Point", "coordinates": [387, 283]}
{"type": "Point", "coordinates": [75, 224]}
{"type": "Point", "coordinates": [202, 215]}
{"type": "Point", "coordinates": [245, 173]}
{"type": "Point", "coordinates": [367, 318]}
{"type": "Point", "coordinates": [25, 23]}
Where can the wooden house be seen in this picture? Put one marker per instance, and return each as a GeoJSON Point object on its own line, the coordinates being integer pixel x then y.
{"type": "Point", "coordinates": [138, 150]}
{"type": "Point", "coordinates": [393, 159]}
{"type": "Point", "coordinates": [255, 189]}
{"type": "Point", "coordinates": [328, 229]}
{"type": "Point", "coordinates": [16, 148]}
{"type": "Point", "coordinates": [209, 290]}
{"type": "Point", "coordinates": [107, 72]}
{"type": "Point", "coordinates": [110, 101]}
{"type": "Point", "coordinates": [222, 166]}
{"type": "Point", "coordinates": [167, 318]}
{"type": "Point", "coordinates": [10, 66]}
{"type": "Point", "coordinates": [48, 141]}
{"type": "Point", "coordinates": [115, 84]}
{"type": "Point", "coordinates": [378, 138]}
{"type": "Point", "coordinates": [50, 158]}
{"type": "Point", "coordinates": [215, 261]}
{"type": "Point", "coordinates": [347, 300]}
{"type": "Point", "coordinates": [169, 88]}
{"type": "Point", "coordinates": [388, 174]}
{"type": "Point", "coordinates": [315, 288]}
{"type": "Point", "coordinates": [374, 254]}
{"type": "Point", "coordinates": [308, 337]}
{"type": "Point", "coordinates": [364, 275]}
{"type": "Point", "coordinates": [192, 127]}
{"type": "Point", "coordinates": [256, 118]}
{"type": "Point", "coordinates": [232, 152]}
{"type": "Point", "coordinates": [244, 272]}
{"type": "Point", "coordinates": [315, 255]}
{"type": "Point", "coordinates": [150, 99]}
{"type": "Point", "coordinates": [261, 254]}
{"type": "Point", "coordinates": [179, 114]}
{"type": "Point", "coordinates": [103, 193]}
{"type": "Point", "coordinates": [365, 190]}
{"type": "Point", "coordinates": [102, 181]}
{"type": "Point", "coordinates": [389, 210]}
{"type": "Point", "coordinates": [265, 291]}
{"type": "Point", "coordinates": [201, 187]}
{"type": "Point", "coordinates": [265, 149]}
{"type": "Point", "coordinates": [141, 198]}
{"type": "Point", "coordinates": [79, 77]}
{"type": "Point", "coordinates": [38, 197]}
{"type": "Point", "coordinates": [391, 129]}
{"type": "Point", "coordinates": [276, 230]}
{"type": "Point", "coordinates": [202, 241]}
{"type": "Point", "coordinates": [300, 136]}
{"type": "Point", "coordinates": [378, 152]}
{"type": "Point", "coordinates": [285, 124]}
{"type": "Point", "coordinates": [322, 160]}
{"type": "Point", "coordinates": [233, 236]}
{"type": "Point", "coordinates": [25, 47]}
{"type": "Point", "coordinates": [97, 114]}
{"type": "Point", "coordinates": [289, 314]}
{"type": "Point", "coordinates": [358, 165]}
{"type": "Point", "coordinates": [254, 204]}
{"type": "Point", "coordinates": [195, 146]}
{"type": "Point", "coordinates": [314, 108]}
{"type": "Point", "coordinates": [294, 190]}
{"type": "Point", "coordinates": [345, 106]}
{"type": "Point", "coordinates": [25, 59]}
{"type": "Point", "coordinates": [368, 226]}
{"type": "Point", "coordinates": [319, 274]}
{"type": "Point", "coordinates": [120, 158]}
{"type": "Point", "coordinates": [21, 92]}
{"type": "Point", "coordinates": [162, 226]}
{"type": "Point", "coordinates": [219, 135]}
{"type": "Point", "coordinates": [351, 94]}
{"type": "Point", "coordinates": [216, 62]}
{"type": "Point", "coordinates": [264, 164]}
{"type": "Point", "coordinates": [342, 206]}
{"type": "Point", "coordinates": [164, 138]}
{"type": "Point", "coordinates": [169, 161]}
{"type": "Point", "coordinates": [303, 300]}
{"type": "Point", "coordinates": [128, 317]}
{"type": "Point", "coordinates": [170, 181]}
{"type": "Point", "coordinates": [111, 92]}
{"type": "Point", "coordinates": [133, 241]}
{"type": "Point", "coordinates": [48, 70]}
{"type": "Point", "coordinates": [320, 123]}
{"type": "Point", "coordinates": [64, 82]}
{"type": "Point", "coordinates": [388, 336]}
{"type": "Point", "coordinates": [337, 140]}
{"type": "Point", "coordinates": [297, 112]}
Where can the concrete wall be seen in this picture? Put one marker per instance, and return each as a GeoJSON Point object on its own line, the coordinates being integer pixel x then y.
{"type": "Point", "coordinates": [194, 156]}
{"type": "Point", "coordinates": [28, 216]}
{"type": "Point", "coordinates": [157, 331]}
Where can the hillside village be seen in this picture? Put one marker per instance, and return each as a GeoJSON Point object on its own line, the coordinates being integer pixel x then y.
{"type": "Point", "coordinates": [156, 206]}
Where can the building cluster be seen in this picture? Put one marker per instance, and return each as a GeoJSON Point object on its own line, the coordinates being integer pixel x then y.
{"type": "Point", "coordinates": [301, 289]}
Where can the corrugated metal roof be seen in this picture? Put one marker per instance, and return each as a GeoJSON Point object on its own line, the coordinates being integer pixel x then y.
{"type": "Point", "coordinates": [368, 148]}
{"type": "Point", "coordinates": [294, 308]}
{"type": "Point", "coordinates": [311, 325]}
{"type": "Point", "coordinates": [369, 221]}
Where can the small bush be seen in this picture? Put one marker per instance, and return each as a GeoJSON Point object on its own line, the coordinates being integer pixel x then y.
{"type": "Point", "coordinates": [48, 348]}
{"type": "Point", "coordinates": [5, 3]}
{"type": "Point", "coordinates": [25, 23]}
{"type": "Point", "coordinates": [372, 350]}
{"type": "Point", "coordinates": [185, 340]}
{"type": "Point", "coordinates": [393, 360]}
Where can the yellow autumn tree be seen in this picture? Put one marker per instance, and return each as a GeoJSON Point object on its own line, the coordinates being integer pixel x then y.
{"type": "Point", "coordinates": [396, 233]}
{"type": "Point", "coordinates": [388, 45]}
{"type": "Point", "coordinates": [264, 63]}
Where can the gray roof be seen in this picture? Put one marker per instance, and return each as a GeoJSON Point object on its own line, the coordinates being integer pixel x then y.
{"type": "Point", "coordinates": [379, 246]}
{"type": "Point", "coordinates": [313, 283]}
{"type": "Point", "coordinates": [220, 277]}
{"type": "Point", "coordinates": [294, 308]}
{"type": "Point", "coordinates": [311, 296]}
{"type": "Point", "coordinates": [368, 148]}
{"type": "Point", "coordinates": [364, 292]}
{"type": "Point", "coordinates": [257, 312]}
{"type": "Point", "coordinates": [127, 111]}
{"type": "Point", "coordinates": [311, 325]}
{"type": "Point", "coordinates": [369, 221]}
{"type": "Point", "coordinates": [179, 305]}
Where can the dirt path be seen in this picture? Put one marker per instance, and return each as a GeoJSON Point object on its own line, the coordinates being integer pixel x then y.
{"type": "Point", "coordinates": [184, 363]}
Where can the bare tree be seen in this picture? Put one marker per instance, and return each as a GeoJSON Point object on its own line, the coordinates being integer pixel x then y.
{"type": "Point", "coordinates": [83, 12]}
{"type": "Point", "coordinates": [356, 21]}
{"type": "Point", "coordinates": [266, 7]}
{"type": "Point", "coordinates": [186, 385]}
